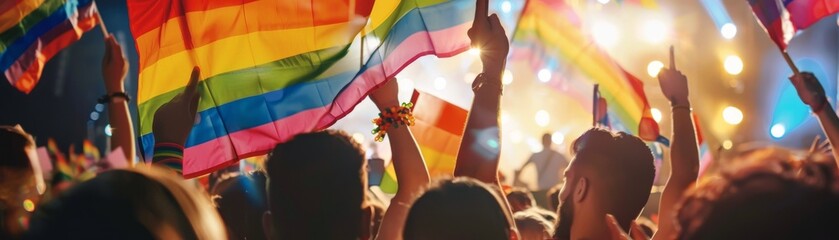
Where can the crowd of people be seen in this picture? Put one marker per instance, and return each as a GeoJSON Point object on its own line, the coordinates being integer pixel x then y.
{"type": "Point", "coordinates": [315, 186]}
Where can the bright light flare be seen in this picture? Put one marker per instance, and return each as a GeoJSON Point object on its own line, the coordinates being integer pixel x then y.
{"type": "Point", "coordinates": [654, 68]}
{"type": "Point", "coordinates": [728, 30]}
{"type": "Point", "coordinates": [778, 130]}
{"type": "Point", "coordinates": [605, 34]}
{"type": "Point", "coordinates": [732, 115]}
{"type": "Point", "coordinates": [733, 65]}
{"type": "Point", "coordinates": [543, 118]}
{"type": "Point", "coordinates": [656, 114]}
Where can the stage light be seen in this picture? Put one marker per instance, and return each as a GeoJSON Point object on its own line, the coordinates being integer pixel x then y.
{"type": "Point", "coordinates": [358, 137]}
{"type": "Point", "coordinates": [543, 118]}
{"type": "Point", "coordinates": [656, 114]}
{"type": "Point", "coordinates": [655, 31]}
{"type": "Point", "coordinates": [507, 78]}
{"type": "Point", "coordinates": [778, 130]}
{"type": "Point", "coordinates": [506, 6]}
{"type": "Point", "coordinates": [475, 51]}
{"type": "Point", "coordinates": [732, 115]}
{"type": "Point", "coordinates": [440, 83]}
{"type": "Point", "coordinates": [557, 138]}
{"type": "Point", "coordinates": [603, 1]}
{"type": "Point", "coordinates": [727, 144]}
{"type": "Point", "coordinates": [535, 145]}
{"type": "Point", "coordinates": [728, 30]}
{"type": "Point", "coordinates": [544, 75]}
{"type": "Point", "coordinates": [654, 68]}
{"type": "Point", "coordinates": [605, 34]}
{"type": "Point", "coordinates": [733, 65]}
{"type": "Point", "coordinates": [108, 130]}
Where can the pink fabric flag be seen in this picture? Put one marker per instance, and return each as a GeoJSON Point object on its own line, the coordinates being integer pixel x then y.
{"type": "Point", "coordinates": [783, 18]}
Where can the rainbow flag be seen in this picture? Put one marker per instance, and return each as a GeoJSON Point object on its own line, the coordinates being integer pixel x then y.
{"type": "Point", "coordinates": [553, 28]}
{"type": "Point", "coordinates": [275, 68]}
{"type": "Point", "coordinates": [33, 31]}
{"type": "Point", "coordinates": [438, 130]}
{"type": "Point", "coordinates": [783, 19]}
{"type": "Point", "coordinates": [651, 4]}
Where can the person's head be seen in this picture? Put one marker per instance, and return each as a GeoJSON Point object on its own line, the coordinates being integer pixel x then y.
{"type": "Point", "coordinates": [547, 140]}
{"type": "Point", "coordinates": [773, 195]}
{"type": "Point", "coordinates": [532, 226]}
{"type": "Point", "coordinates": [610, 173]}
{"type": "Point", "coordinates": [316, 187]}
{"type": "Point", "coordinates": [520, 199]}
{"type": "Point", "coordinates": [458, 209]}
{"type": "Point", "coordinates": [139, 203]}
{"type": "Point", "coordinates": [241, 201]}
{"type": "Point", "coordinates": [553, 197]}
{"type": "Point", "coordinates": [21, 180]}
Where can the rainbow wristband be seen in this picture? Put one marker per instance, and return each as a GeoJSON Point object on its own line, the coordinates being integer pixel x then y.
{"type": "Point", "coordinates": [170, 155]}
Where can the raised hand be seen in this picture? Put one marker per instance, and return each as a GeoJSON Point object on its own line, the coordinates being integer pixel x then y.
{"type": "Point", "coordinates": [173, 121]}
{"type": "Point", "coordinates": [114, 66]}
{"type": "Point", "coordinates": [809, 90]}
{"type": "Point", "coordinates": [386, 95]}
{"type": "Point", "coordinates": [489, 36]}
{"type": "Point", "coordinates": [674, 84]}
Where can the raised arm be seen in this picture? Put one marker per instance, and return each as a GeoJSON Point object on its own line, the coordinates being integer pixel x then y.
{"type": "Point", "coordinates": [684, 153]}
{"type": "Point", "coordinates": [812, 93]}
{"type": "Point", "coordinates": [407, 160]}
{"type": "Point", "coordinates": [114, 68]}
{"type": "Point", "coordinates": [478, 157]}
{"type": "Point", "coordinates": [172, 123]}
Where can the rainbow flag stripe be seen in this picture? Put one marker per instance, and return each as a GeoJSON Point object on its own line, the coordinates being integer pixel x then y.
{"type": "Point", "coordinates": [553, 27]}
{"type": "Point", "coordinates": [272, 69]}
{"type": "Point", "coordinates": [438, 130]}
{"type": "Point", "coordinates": [33, 31]}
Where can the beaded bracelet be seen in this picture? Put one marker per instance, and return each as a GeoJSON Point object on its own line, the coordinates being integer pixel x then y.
{"type": "Point", "coordinates": [393, 116]}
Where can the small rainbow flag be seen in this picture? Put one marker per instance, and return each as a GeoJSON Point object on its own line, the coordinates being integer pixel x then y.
{"type": "Point", "coordinates": [553, 28]}
{"type": "Point", "coordinates": [438, 130]}
{"type": "Point", "coordinates": [783, 19]}
{"type": "Point", "coordinates": [33, 31]}
{"type": "Point", "coordinates": [275, 68]}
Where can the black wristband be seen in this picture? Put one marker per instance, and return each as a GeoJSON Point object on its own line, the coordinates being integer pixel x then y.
{"type": "Point", "coordinates": [107, 97]}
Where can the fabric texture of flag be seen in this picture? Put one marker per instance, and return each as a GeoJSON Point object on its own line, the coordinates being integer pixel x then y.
{"type": "Point", "coordinates": [33, 31]}
{"type": "Point", "coordinates": [438, 130]}
{"type": "Point", "coordinates": [553, 28]}
{"type": "Point", "coordinates": [274, 68]}
{"type": "Point", "coordinates": [782, 19]}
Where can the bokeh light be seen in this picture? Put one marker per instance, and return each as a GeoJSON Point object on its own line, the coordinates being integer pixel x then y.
{"type": "Point", "coordinates": [727, 144]}
{"type": "Point", "coordinates": [506, 6]}
{"type": "Point", "coordinates": [733, 65]}
{"type": "Point", "coordinates": [28, 205]}
{"type": "Point", "coordinates": [543, 118]}
{"type": "Point", "coordinates": [475, 51]}
{"type": "Point", "coordinates": [778, 130]}
{"type": "Point", "coordinates": [605, 34]}
{"type": "Point", "coordinates": [557, 138]}
{"type": "Point", "coordinates": [544, 75]}
{"type": "Point", "coordinates": [728, 30]}
{"type": "Point", "coordinates": [654, 68]}
{"type": "Point", "coordinates": [655, 31]}
{"type": "Point", "coordinates": [535, 145]}
{"type": "Point", "coordinates": [108, 130]}
{"type": "Point", "coordinates": [507, 78]}
{"type": "Point", "coordinates": [656, 114]}
{"type": "Point", "coordinates": [732, 115]}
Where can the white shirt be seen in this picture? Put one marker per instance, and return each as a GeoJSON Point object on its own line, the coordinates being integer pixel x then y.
{"type": "Point", "coordinates": [550, 168]}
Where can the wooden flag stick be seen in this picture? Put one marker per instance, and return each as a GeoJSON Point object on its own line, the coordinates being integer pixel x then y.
{"type": "Point", "coordinates": [789, 62]}
{"type": "Point", "coordinates": [102, 24]}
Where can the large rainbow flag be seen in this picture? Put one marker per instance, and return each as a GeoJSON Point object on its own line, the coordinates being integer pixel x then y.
{"type": "Point", "coordinates": [783, 19]}
{"type": "Point", "coordinates": [275, 68]}
{"type": "Point", "coordinates": [438, 130]}
{"type": "Point", "coordinates": [552, 28]}
{"type": "Point", "coordinates": [33, 31]}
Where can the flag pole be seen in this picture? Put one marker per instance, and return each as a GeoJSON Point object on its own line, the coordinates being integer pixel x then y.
{"type": "Point", "coordinates": [594, 102]}
{"type": "Point", "coordinates": [790, 62]}
{"type": "Point", "coordinates": [102, 23]}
